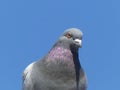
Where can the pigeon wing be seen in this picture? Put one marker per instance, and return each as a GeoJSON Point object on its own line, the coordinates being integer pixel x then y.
{"type": "Point", "coordinates": [27, 79]}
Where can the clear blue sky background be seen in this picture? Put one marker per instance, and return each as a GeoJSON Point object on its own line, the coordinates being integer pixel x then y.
{"type": "Point", "coordinates": [29, 28]}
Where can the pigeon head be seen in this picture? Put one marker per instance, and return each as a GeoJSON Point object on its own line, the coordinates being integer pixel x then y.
{"type": "Point", "coordinates": [72, 37]}
{"type": "Point", "coordinates": [66, 46]}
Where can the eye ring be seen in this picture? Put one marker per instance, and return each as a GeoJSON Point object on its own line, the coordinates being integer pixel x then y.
{"type": "Point", "coordinates": [68, 35]}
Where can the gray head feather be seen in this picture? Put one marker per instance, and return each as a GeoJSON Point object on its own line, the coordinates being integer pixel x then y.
{"type": "Point", "coordinates": [74, 31]}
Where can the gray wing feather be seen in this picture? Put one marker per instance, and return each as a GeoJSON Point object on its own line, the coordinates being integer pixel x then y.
{"type": "Point", "coordinates": [27, 79]}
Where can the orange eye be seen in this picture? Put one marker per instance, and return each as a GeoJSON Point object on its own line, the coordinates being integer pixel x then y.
{"type": "Point", "coordinates": [68, 35]}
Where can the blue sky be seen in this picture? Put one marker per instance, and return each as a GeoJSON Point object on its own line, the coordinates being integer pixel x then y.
{"type": "Point", "coordinates": [29, 28]}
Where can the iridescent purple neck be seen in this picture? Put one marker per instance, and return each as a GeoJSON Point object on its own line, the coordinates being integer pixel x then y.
{"type": "Point", "coordinates": [59, 53]}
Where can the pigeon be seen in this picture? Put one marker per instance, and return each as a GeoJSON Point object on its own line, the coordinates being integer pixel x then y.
{"type": "Point", "coordinates": [60, 68]}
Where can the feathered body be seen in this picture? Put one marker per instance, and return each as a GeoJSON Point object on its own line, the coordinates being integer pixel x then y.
{"type": "Point", "coordinates": [60, 69]}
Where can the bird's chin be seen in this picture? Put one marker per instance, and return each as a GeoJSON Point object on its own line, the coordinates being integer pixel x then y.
{"type": "Point", "coordinates": [78, 45]}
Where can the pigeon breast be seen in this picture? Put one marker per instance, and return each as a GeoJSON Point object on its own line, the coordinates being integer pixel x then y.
{"type": "Point", "coordinates": [59, 62]}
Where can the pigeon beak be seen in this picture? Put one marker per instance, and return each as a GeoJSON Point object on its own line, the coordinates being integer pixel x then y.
{"type": "Point", "coordinates": [78, 42]}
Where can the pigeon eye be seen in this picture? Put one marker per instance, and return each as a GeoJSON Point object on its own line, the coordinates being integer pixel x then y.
{"type": "Point", "coordinates": [68, 35]}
